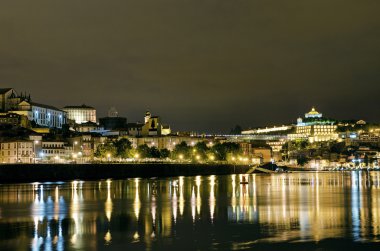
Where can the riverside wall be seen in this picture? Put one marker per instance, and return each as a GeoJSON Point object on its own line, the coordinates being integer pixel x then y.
{"type": "Point", "coordinates": [16, 173]}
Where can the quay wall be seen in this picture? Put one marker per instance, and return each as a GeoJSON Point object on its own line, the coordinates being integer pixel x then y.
{"type": "Point", "coordinates": [16, 173]}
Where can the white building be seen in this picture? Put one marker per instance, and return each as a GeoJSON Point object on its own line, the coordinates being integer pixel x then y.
{"type": "Point", "coordinates": [81, 114]}
{"type": "Point", "coordinates": [42, 115]}
{"type": "Point", "coordinates": [54, 151]}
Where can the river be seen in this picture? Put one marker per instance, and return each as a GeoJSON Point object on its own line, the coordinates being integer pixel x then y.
{"type": "Point", "coordinates": [292, 211]}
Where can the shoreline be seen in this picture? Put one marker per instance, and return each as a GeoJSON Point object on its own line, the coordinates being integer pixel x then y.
{"type": "Point", "coordinates": [27, 173]}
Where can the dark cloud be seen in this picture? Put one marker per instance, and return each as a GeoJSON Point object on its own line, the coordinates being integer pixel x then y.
{"type": "Point", "coordinates": [201, 64]}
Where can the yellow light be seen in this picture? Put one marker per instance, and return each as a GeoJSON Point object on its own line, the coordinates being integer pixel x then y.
{"type": "Point", "coordinates": [198, 157]}
{"type": "Point", "coordinates": [137, 155]}
{"type": "Point", "coordinates": [181, 156]}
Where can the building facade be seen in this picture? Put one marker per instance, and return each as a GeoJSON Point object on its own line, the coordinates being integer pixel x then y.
{"type": "Point", "coordinates": [14, 119]}
{"type": "Point", "coordinates": [17, 151]}
{"type": "Point", "coordinates": [315, 128]}
{"type": "Point", "coordinates": [81, 114]}
{"type": "Point", "coordinates": [42, 115]}
{"type": "Point", "coordinates": [54, 151]}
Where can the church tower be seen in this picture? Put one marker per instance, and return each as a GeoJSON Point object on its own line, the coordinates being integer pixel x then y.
{"type": "Point", "coordinates": [147, 116]}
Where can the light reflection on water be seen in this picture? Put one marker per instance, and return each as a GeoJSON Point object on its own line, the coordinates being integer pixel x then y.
{"type": "Point", "coordinates": [202, 212]}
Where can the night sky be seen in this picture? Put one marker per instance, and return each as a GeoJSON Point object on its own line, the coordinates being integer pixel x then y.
{"type": "Point", "coordinates": [203, 65]}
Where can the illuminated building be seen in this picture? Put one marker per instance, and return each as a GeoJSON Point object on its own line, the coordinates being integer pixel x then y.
{"type": "Point", "coordinates": [313, 114]}
{"type": "Point", "coordinates": [54, 151]}
{"type": "Point", "coordinates": [88, 127]}
{"type": "Point", "coordinates": [153, 126]}
{"type": "Point", "coordinates": [315, 128]}
{"type": "Point", "coordinates": [17, 151]}
{"type": "Point", "coordinates": [81, 114]}
{"type": "Point", "coordinates": [267, 130]}
{"type": "Point", "coordinates": [42, 115]}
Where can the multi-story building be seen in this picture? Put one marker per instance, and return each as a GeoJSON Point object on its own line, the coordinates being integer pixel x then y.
{"type": "Point", "coordinates": [54, 151]}
{"type": "Point", "coordinates": [315, 128]}
{"type": "Point", "coordinates": [88, 127]}
{"type": "Point", "coordinates": [17, 151]}
{"type": "Point", "coordinates": [14, 119]}
{"type": "Point", "coordinates": [42, 115]}
{"type": "Point", "coordinates": [81, 114]}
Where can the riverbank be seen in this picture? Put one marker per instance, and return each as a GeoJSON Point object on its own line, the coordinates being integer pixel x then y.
{"type": "Point", "coordinates": [17, 173]}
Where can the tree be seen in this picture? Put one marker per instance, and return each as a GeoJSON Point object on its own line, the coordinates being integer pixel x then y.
{"type": "Point", "coordinates": [222, 150]}
{"type": "Point", "coordinates": [182, 149]}
{"type": "Point", "coordinates": [302, 159]}
{"type": "Point", "coordinates": [123, 147]}
{"type": "Point", "coordinates": [164, 153]}
{"type": "Point", "coordinates": [143, 151]}
{"type": "Point", "coordinates": [105, 150]}
{"type": "Point", "coordinates": [337, 147]}
{"type": "Point", "coordinates": [153, 152]}
{"type": "Point", "coordinates": [201, 149]}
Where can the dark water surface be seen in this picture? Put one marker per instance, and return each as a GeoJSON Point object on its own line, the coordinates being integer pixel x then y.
{"type": "Point", "coordinates": [295, 211]}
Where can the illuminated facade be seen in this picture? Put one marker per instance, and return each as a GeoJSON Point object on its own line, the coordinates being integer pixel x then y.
{"type": "Point", "coordinates": [313, 114]}
{"type": "Point", "coordinates": [153, 126]}
{"type": "Point", "coordinates": [267, 130]}
{"type": "Point", "coordinates": [315, 128]}
{"type": "Point", "coordinates": [42, 115]}
{"type": "Point", "coordinates": [18, 151]}
{"type": "Point", "coordinates": [53, 150]}
{"type": "Point", "coordinates": [81, 114]}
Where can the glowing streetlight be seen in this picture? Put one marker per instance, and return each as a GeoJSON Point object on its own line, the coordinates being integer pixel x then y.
{"type": "Point", "coordinates": [198, 157]}
{"type": "Point", "coordinates": [181, 156]}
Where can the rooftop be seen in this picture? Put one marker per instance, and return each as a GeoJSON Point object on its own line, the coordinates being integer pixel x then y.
{"type": "Point", "coordinates": [79, 107]}
{"type": "Point", "coordinates": [313, 111]}
{"type": "Point", "coordinates": [5, 90]}
{"type": "Point", "coordinates": [45, 106]}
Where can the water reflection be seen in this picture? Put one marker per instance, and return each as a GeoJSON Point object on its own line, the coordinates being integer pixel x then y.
{"type": "Point", "coordinates": [200, 212]}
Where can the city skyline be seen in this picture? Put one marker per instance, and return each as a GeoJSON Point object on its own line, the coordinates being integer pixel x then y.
{"type": "Point", "coordinates": [200, 66]}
